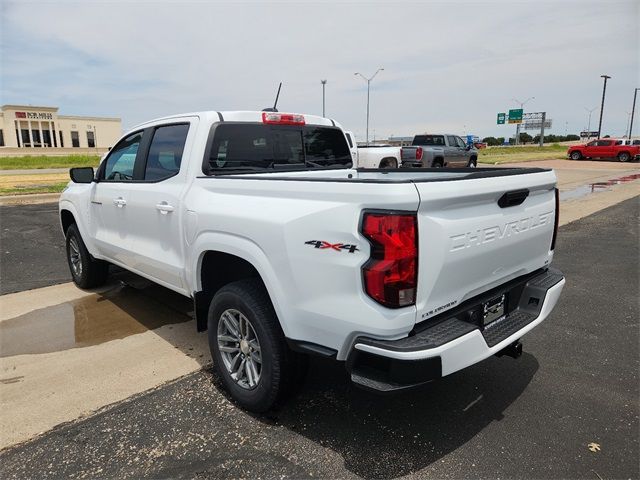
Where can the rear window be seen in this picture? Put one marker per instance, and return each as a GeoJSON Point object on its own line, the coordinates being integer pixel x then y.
{"type": "Point", "coordinates": [428, 140]}
{"type": "Point", "coordinates": [249, 146]}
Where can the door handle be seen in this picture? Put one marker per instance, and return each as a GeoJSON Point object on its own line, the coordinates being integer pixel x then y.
{"type": "Point", "coordinates": [164, 207]}
{"type": "Point", "coordinates": [119, 202]}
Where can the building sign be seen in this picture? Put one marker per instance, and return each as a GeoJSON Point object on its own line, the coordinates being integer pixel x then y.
{"type": "Point", "coordinates": [35, 115]}
{"type": "Point", "coordinates": [501, 117]}
{"type": "Point", "coordinates": [515, 115]}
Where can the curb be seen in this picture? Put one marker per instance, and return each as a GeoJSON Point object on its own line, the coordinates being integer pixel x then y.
{"type": "Point", "coordinates": [29, 199]}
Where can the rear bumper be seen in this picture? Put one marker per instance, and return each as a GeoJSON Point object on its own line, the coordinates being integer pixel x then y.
{"type": "Point", "coordinates": [455, 341]}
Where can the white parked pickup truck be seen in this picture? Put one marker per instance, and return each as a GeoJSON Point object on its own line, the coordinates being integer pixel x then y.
{"type": "Point", "coordinates": [373, 156]}
{"type": "Point", "coordinates": [287, 250]}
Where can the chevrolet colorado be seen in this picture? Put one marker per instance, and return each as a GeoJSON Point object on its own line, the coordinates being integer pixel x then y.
{"type": "Point", "coordinates": [287, 250]}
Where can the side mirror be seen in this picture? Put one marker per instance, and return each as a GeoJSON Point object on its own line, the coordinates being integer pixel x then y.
{"type": "Point", "coordinates": [81, 174]}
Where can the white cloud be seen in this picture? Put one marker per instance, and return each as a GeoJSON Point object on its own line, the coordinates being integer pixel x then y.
{"type": "Point", "coordinates": [447, 65]}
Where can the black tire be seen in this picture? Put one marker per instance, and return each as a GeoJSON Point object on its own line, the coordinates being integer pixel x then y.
{"type": "Point", "coordinates": [624, 156]}
{"type": "Point", "coordinates": [86, 271]}
{"type": "Point", "coordinates": [280, 367]}
{"type": "Point", "coordinates": [437, 163]}
{"type": "Point", "coordinates": [575, 155]}
{"type": "Point", "coordinates": [389, 162]}
{"type": "Point", "coordinates": [473, 162]}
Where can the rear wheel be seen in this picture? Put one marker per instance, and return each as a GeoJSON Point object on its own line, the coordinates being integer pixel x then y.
{"type": "Point", "coordinates": [575, 155]}
{"type": "Point", "coordinates": [437, 163]}
{"type": "Point", "coordinates": [86, 271]}
{"type": "Point", "coordinates": [389, 162]}
{"type": "Point", "coordinates": [624, 156]}
{"type": "Point", "coordinates": [248, 347]}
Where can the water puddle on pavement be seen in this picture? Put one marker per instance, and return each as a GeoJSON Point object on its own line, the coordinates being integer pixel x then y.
{"type": "Point", "coordinates": [595, 187]}
{"type": "Point", "coordinates": [115, 314]}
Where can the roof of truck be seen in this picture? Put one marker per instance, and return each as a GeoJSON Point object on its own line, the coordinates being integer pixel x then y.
{"type": "Point", "coordinates": [240, 116]}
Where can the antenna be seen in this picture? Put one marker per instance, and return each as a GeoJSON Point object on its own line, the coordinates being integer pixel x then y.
{"type": "Point", "coordinates": [275, 104]}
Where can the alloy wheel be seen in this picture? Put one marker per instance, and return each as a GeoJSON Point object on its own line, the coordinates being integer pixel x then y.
{"type": "Point", "coordinates": [239, 348]}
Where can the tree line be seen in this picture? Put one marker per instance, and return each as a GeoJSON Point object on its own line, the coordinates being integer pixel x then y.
{"type": "Point", "coordinates": [526, 138]}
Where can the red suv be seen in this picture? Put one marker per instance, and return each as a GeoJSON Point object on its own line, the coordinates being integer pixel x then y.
{"type": "Point", "coordinates": [605, 148]}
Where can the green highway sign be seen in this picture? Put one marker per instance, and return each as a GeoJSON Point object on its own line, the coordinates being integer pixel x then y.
{"type": "Point", "coordinates": [515, 116]}
{"type": "Point", "coordinates": [501, 117]}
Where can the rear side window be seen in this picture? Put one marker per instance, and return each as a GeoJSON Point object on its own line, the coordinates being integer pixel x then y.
{"type": "Point", "coordinates": [349, 140]}
{"type": "Point", "coordinates": [122, 158]}
{"type": "Point", "coordinates": [165, 152]}
{"type": "Point", "coordinates": [249, 146]}
{"type": "Point", "coordinates": [429, 140]}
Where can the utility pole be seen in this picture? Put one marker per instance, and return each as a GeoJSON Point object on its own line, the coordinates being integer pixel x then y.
{"type": "Point", "coordinates": [368, 80]}
{"type": "Point", "coordinates": [522, 104]}
{"type": "Point", "coordinates": [633, 110]}
{"type": "Point", "coordinates": [323, 82]}
{"type": "Point", "coordinates": [604, 91]}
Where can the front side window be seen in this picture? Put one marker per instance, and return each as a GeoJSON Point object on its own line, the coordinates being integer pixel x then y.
{"type": "Point", "coordinates": [461, 143]}
{"type": "Point", "coordinates": [165, 152]}
{"type": "Point", "coordinates": [603, 143]}
{"type": "Point", "coordinates": [122, 158]}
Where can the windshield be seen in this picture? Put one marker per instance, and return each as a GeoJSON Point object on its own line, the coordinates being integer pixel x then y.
{"type": "Point", "coordinates": [250, 146]}
{"type": "Point", "coordinates": [428, 140]}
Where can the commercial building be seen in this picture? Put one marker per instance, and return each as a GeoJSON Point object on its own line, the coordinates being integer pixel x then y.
{"type": "Point", "coordinates": [26, 127]}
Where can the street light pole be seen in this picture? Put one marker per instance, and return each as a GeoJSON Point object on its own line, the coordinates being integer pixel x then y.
{"type": "Point", "coordinates": [604, 91]}
{"type": "Point", "coordinates": [368, 80]}
{"type": "Point", "coordinates": [589, 123]}
{"type": "Point", "coordinates": [323, 82]}
{"type": "Point", "coordinates": [633, 110]}
{"type": "Point", "coordinates": [522, 104]}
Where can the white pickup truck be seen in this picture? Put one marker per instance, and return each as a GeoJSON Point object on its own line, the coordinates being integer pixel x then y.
{"type": "Point", "coordinates": [373, 156]}
{"type": "Point", "coordinates": [287, 250]}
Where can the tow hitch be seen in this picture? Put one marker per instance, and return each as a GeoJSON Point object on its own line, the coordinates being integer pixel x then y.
{"type": "Point", "coordinates": [514, 350]}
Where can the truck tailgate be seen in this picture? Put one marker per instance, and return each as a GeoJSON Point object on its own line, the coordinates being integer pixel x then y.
{"type": "Point", "coordinates": [469, 244]}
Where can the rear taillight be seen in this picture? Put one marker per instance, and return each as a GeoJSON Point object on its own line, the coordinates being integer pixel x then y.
{"type": "Point", "coordinates": [556, 220]}
{"type": "Point", "coordinates": [391, 274]}
{"type": "Point", "coordinates": [277, 118]}
{"type": "Point", "coordinates": [419, 153]}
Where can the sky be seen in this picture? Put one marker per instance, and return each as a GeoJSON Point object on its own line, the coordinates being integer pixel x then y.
{"type": "Point", "coordinates": [448, 66]}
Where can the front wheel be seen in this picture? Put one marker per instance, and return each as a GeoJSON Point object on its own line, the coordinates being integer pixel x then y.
{"type": "Point", "coordinates": [86, 271]}
{"type": "Point", "coordinates": [473, 162]}
{"type": "Point", "coordinates": [575, 156]}
{"type": "Point", "coordinates": [624, 156]}
{"type": "Point", "coordinates": [248, 347]}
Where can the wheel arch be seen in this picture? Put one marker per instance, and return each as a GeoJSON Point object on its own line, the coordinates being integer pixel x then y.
{"type": "Point", "coordinates": [218, 266]}
{"type": "Point", "coordinates": [387, 159]}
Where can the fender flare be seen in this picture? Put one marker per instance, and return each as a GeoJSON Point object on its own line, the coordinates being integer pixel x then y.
{"type": "Point", "coordinates": [245, 249]}
{"type": "Point", "coordinates": [80, 223]}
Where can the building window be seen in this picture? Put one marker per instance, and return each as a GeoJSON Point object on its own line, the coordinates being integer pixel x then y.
{"type": "Point", "coordinates": [91, 139]}
{"type": "Point", "coordinates": [37, 142]}
{"type": "Point", "coordinates": [46, 138]}
{"type": "Point", "coordinates": [25, 137]}
{"type": "Point", "coordinates": [61, 140]}
{"type": "Point", "coordinates": [1, 138]}
{"type": "Point", "coordinates": [75, 139]}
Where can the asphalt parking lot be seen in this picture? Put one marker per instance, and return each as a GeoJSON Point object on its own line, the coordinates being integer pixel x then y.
{"type": "Point", "coordinates": [576, 386]}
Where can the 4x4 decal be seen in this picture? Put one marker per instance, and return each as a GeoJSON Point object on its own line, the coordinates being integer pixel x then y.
{"type": "Point", "coordinates": [338, 247]}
